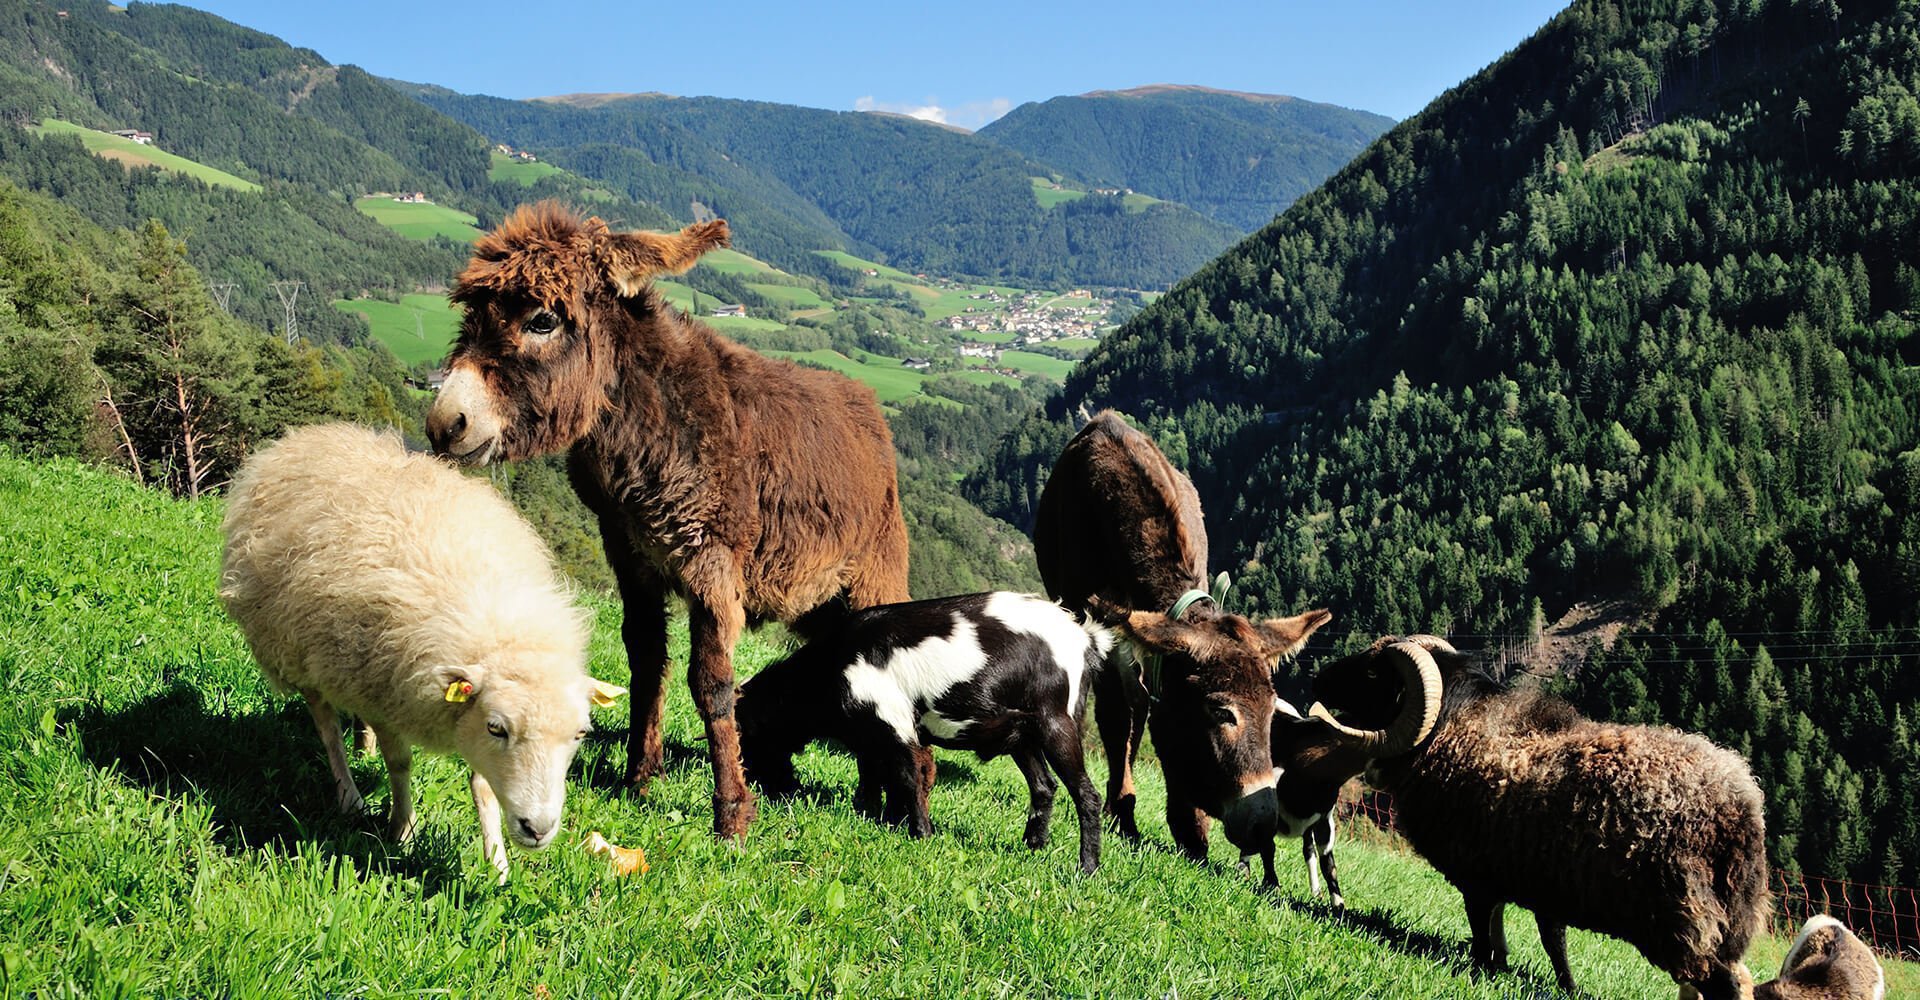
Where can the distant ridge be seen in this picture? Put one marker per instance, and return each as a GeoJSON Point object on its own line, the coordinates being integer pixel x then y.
{"type": "Point", "coordinates": [1153, 89]}
{"type": "Point", "coordinates": [601, 99]}
{"type": "Point", "coordinates": [949, 126]}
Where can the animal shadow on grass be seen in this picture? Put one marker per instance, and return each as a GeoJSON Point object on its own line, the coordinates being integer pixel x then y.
{"type": "Point", "coordinates": [1450, 953]}
{"type": "Point", "coordinates": [264, 776]}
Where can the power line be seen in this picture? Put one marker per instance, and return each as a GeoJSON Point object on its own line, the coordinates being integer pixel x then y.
{"type": "Point", "coordinates": [289, 291]}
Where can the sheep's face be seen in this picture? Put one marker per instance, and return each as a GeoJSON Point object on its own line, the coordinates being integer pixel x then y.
{"type": "Point", "coordinates": [1213, 721]}
{"type": "Point", "coordinates": [550, 302]}
{"type": "Point", "coordinates": [521, 738]}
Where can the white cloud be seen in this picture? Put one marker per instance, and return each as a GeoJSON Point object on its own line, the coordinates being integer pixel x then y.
{"type": "Point", "coordinates": [970, 115]}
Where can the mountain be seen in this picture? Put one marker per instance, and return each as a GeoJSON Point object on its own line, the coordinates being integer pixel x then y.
{"type": "Point", "coordinates": [1239, 158]}
{"type": "Point", "coordinates": [1629, 316]}
{"type": "Point", "coordinates": [917, 196]}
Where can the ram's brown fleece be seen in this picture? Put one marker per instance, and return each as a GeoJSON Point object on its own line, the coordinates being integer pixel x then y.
{"type": "Point", "coordinates": [1644, 833]}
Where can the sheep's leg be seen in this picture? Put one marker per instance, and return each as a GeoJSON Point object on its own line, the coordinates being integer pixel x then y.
{"type": "Point", "coordinates": [488, 808]}
{"type": "Point", "coordinates": [1553, 937]}
{"type": "Point", "coordinates": [1188, 823]}
{"type": "Point", "coordinates": [1039, 795]}
{"type": "Point", "coordinates": [715, 626]}
{"type": "Point", "coordinates": [327, 721]}
{"type": "Point", "coordinates": [366, 739]}
{"type": "Point", "coordinates": [399, 758]}
{"type": "Point", "coordinates": [1486, 917]}
{"type": "Point", "coordinates": [1119, 712]}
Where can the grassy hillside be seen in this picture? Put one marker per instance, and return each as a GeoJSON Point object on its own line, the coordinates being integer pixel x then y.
{"type": "Point", "coordinates": [419, 221]}
{"type": "Point", "coordinates": [166, 833]}
{"type": "Point", "coordinates": [1240, 158]}
{"type": "Point", "coordinates": [420, 327]}
{"type": "Point", "coordinates": [123, 150]}
{"type": "Point", "coordinates": [504, 168]}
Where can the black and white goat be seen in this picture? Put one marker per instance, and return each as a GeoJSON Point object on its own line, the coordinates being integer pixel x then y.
{"type": "Point", "coordinates": [996, 673]}
{"type": "Point", "coordinates": [1312, 761]}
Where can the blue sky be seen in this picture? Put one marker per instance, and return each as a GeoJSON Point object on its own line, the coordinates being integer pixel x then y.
{"type": "Point", "coordinates": [962, 63]}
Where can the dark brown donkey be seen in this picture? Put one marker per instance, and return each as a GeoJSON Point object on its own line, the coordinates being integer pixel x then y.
{"type": "Point", "coordinates": [754, 487]}
{"type": "Point", "coordinates": [1119, 531]}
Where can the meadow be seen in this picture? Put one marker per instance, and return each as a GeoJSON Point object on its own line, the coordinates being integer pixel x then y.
{"type": "Point", "coordinates": [167, 834]}
{"type": "Point", "coordinates": [523, 173]}
{"type": "Point", "coordinates": [419, 221]}
{"type": "Point", "coordinates": [418, 328]}
{"type": "Point", "coordinates": [133, 154]}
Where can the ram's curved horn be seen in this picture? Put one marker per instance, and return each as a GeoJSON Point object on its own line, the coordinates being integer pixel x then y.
{"type": "Point", "coordinates": [1418, 713]}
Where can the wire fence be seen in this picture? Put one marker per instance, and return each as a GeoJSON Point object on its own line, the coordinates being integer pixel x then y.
{"type": "Point", "coordinates": [1887, 917]}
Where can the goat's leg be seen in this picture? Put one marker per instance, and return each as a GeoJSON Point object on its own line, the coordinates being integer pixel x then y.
{"type": "Point", "coordinates": [714, 626]}
{"type": "Point", "coordinates": [1119, 712]}
{"type": "Point", "coordinates": [399, 758]}
{"type": "Point", "coordinates": [1068, 757]}
{"type": "Point", "coordinates": [1553, 937]}
{"type": "Point", "coordinates": [1188, 823]}
{"type": "Point", "coordinates": [1033, 767]}
{"type": "Point", "coordinates": [327, 721]}
{"type": "Point", "coordinates": [869, 794]}
{"type": "Point", "coordinates": [919, 817]}
{"type": "Point", "coordinates": [1323, 835]}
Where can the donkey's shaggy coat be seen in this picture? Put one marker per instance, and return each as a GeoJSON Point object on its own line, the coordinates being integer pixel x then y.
{"type": "Point", "coordinates": [754, 487]}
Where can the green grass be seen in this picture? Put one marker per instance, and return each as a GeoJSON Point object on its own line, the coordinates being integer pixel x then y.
{"type": "Point", "coordinates": [166, 833]}
{"type": "Point", "coordinates": [420, 327]}
{"type": "Point", "coordinates": [113, 147]}
{"type": "Point", "coordinates": [506, 168]}
{"type": "Point", "coordinates": [1040, 364]}
{"type": "Point", "coordinates": [1048, 196]}
{"type": "Point", "coordinates": [889, 380]}
{"type": "Point", "coordinates": [792, 296]}
{"type": "Point", "coordinates": [851, 262]}
{"type": "Point", "coordinates": [420, 222]}
{"type": "Point", "coordinates": [727, 260]}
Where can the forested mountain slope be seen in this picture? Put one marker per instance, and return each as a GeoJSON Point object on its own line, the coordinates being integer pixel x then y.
{"type": "Point", "coordinates": [1239, 158]}
{"type": "Point", "coordinates": [1628, 314]}
{"type": "Point", "coordinates": [922, 197]}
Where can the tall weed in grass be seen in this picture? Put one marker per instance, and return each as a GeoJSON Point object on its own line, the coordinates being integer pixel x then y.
{"type": "Point", "coordinates": [165, 831]}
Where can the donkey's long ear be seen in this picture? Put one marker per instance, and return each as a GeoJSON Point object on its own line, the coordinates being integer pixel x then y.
{"type": "Point", "coordinates": [1283, 637]}
{"type": "Point", "coordinates": [635, 257]}
{"type": "Point", "coordinates": [1161, 634]}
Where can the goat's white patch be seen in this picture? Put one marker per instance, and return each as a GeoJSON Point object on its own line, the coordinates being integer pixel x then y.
{"type": "Point", "coordinates": [917, 675]}
{"type": "Point", "coordinates": [1051, 624]}
{"type": "Point", "coordinates": [1295, 826]}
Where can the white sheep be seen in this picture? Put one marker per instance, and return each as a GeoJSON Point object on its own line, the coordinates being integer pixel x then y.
{"type": "Point", "coordinates": [389, 586]}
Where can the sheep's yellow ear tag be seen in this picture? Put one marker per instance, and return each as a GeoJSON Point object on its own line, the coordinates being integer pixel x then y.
{"type": "Point", "coordinates": [459, 691]}
{"type": "Point", "coordinates": [604, 695]}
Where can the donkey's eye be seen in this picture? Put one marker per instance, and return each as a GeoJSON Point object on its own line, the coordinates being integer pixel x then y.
{"type": "Point", "coordinates": [1225, 716]}
{"type": "Point", "coordinates": [541, 324]}
{"type": "Point", "coordinates": [497, 728]}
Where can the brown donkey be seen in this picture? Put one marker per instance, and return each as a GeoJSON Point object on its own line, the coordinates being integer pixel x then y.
{"type": "Point", "coordinates": [755, 488]}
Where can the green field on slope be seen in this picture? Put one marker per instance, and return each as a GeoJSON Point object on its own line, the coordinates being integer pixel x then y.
{"type": "Point", "coordinates": [505, 168]}
{"type": "Point", "coordinates": [167, 834]}
{"type": "Point", "coordinates": [418, 221]}
{"type": "Point", "coordinates": [123, 150]}
{"type": "Point", "coordinates": [420, 327]}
